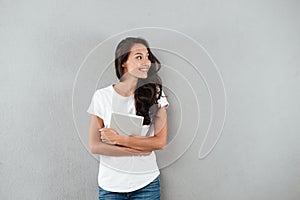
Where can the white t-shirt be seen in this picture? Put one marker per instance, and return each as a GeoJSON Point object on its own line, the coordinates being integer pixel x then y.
{"type": "Point", "coordinates": [123, 173]}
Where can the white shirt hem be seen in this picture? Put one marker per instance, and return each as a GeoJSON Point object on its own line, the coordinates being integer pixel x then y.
{"type": "Point", "coordinates": [133, 188]}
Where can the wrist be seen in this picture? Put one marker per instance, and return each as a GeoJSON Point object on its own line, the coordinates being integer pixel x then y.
{"type": "Point", "coordinates": [121, 140]}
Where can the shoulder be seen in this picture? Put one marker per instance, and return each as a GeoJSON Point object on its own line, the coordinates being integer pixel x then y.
{"type": "Point", "coordinates": [163, 101]}
{"type": "Point", "coordinates": [102, 95]}
{"type": "Point", "coordinates": [104, 91]}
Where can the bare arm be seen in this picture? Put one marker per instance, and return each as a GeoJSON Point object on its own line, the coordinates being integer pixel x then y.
{"type": "Point", "coordinates": [98, 147]}
{"type": "Point", "coordinates": [142, 143]}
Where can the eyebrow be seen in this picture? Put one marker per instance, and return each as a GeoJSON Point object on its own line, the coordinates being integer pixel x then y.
{"type": "Point", "coordinates": [141, 53]}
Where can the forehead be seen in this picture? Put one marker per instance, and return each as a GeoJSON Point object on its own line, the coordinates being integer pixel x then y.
{"type": "Point", "coordinates": [139, 48]}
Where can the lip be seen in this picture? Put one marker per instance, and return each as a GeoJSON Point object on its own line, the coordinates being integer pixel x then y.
{"type": "Point", "coordinates": [144, 69]}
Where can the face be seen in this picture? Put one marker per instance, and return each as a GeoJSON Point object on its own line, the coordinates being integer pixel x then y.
{"type": "Point", "coordinates": [137, 63]}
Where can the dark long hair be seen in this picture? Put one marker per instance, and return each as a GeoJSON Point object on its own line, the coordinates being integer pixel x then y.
{"type": "Point", "coordinates": [148, 90]}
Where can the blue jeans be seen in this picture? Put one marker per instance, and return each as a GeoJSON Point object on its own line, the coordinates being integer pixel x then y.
{"type": "Point", "coordinates": [149, 192]}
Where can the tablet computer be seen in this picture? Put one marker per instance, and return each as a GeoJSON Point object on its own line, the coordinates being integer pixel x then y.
{"type": "Point", "coordinates": [126, 124]}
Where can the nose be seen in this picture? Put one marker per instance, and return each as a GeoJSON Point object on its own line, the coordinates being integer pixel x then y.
{"type": "Point", "coordinates": [146, 62]}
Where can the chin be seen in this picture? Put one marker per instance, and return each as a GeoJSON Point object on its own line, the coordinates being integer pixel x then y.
{"type": "Point", "coordinates": [143, 77]}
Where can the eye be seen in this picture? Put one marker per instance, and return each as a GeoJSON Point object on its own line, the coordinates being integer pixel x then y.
{"type": "Point", "coordinates": [140, 57]}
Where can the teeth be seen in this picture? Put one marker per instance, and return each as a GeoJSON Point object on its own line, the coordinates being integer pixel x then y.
{"type": "Point", "coordinates": [144, 69]}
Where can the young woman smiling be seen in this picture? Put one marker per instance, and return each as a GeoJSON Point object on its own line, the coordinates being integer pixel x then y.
{"type": "Point", "coordinates": [128, 168]}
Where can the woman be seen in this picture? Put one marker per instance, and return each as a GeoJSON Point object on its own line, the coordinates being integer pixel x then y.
{"type": "Point", "coordinates": [128, 168]}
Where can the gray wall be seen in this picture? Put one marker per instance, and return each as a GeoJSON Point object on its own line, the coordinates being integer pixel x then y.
{"type": "Point", "coordinates": [51, 63]}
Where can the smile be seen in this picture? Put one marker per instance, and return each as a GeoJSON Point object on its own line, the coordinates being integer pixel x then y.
{"type": "Point", "coordinates": [144, 69]}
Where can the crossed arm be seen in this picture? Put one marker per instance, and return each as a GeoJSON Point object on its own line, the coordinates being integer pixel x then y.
{"type": "Point", "coordinates": [112, 144]}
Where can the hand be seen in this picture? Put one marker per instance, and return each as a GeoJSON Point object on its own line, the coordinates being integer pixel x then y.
{"type": "Point", "coordinates": [109, 136]}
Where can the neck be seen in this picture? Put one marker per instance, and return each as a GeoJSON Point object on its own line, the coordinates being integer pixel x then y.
{"type": "Point", "coordinates": [128, 84]}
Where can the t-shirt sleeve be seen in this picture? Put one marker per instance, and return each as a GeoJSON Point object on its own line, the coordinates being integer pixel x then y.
{"type": "Point", "coordinates": [162, 101]}
{"type": "Point", "coordinates": [96, 105]}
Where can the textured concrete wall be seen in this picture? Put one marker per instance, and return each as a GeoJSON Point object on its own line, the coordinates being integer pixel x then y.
{"type": "Point", "coordinates": [51, 62]}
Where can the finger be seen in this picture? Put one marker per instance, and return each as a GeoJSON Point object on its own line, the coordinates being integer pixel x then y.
{"type": "Point", "coordinates": [102, 129]}
{"type": "Point", "coordinates": [103, 136]}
